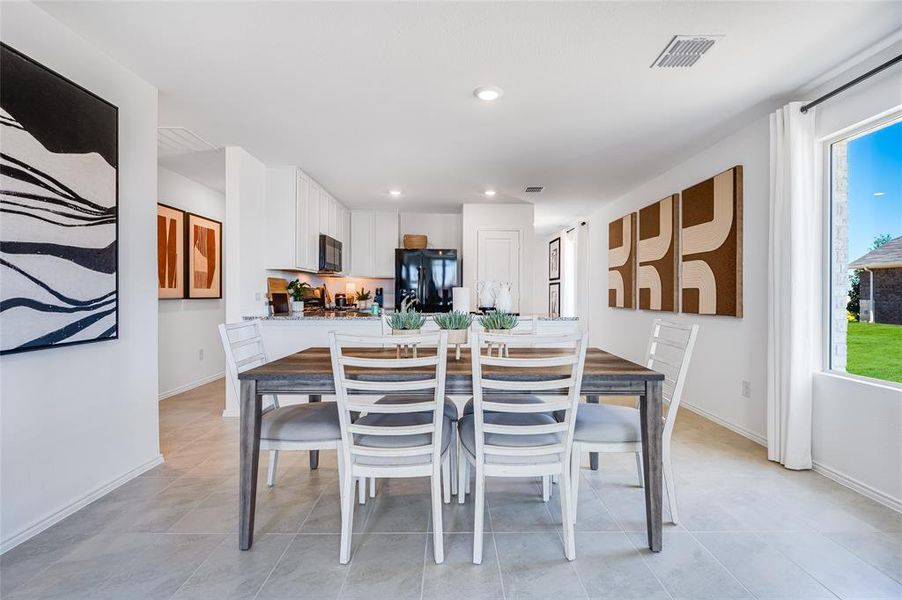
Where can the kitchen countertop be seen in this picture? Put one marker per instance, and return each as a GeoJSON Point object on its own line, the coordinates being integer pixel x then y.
{"type": "Point", "coordinates": [332, 317]}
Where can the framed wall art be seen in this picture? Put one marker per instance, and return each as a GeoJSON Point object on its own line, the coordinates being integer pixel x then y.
{"type": "Point", "coordinates": [59, 191]}
{"type": "Point", "coordinates": [711, 245]}
{"type": "Point", "coordinates": [554, 299]}
{"type": "Point", "coordinates": [622, 262]}
{"type": "Point", "coordinates": [204, 254]}
{"type": "Point", "coordinates": [554, 259]}
{"type": "Point", "coordinates": [658, 255]}
{"type": "Point", "coordinates": [170, 252]}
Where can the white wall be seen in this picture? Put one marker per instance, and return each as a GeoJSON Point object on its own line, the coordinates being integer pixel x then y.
{"type": "Point", "coordinates": [857, 435]}
{"type": "Point", "coordinates": [729, 350]}
{"type": "Point", "coordinates": [190, 351]}
{"type": "Point", "coordinates": [79, 420]}
{"type": "Point", "coordinates": [443, 230]}
{"type": "Point", "coordinates": [520, 217]}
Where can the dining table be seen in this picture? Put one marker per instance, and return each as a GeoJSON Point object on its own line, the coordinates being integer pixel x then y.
{"type": "Point", "coordinates": [309, 372]}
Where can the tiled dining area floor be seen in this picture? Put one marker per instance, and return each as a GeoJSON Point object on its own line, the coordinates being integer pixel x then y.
{"type": "Point", "coordinates": [749, 529]}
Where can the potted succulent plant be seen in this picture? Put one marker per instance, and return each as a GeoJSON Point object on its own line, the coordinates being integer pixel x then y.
{"type": "Point", "coordinates": [406, 322]}
{"type": "Point", "coordinates": [498, 322]}
{"type": "Point", "coordinates": [364, 299]}
{"type": "Point", "coordinates": [457, 323]}
{"type": "Point", "coordinates": [296, 291]}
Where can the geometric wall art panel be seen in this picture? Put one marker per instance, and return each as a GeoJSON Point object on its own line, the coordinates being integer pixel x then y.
{"type": "Point", "coordinates": [622, 262]}
{"type": "Point", "coordinates": [170, 252]}
{"type": "Point", "coordinates": [204, 257]}
{"type": "Point", "coordinates": [711, 245]}
{"type": "Point", "coordinates": [658, 255]}
{"type": "Point", "coordinates": [58, 209]}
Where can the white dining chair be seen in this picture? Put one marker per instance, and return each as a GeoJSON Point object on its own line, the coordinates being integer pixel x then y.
{"type": "Point", "coordinates": [404, 434]}
{"type": "Point", "coordinates": [509, 435]}
{"type": "Point", "coordinates": [609, 428]}
{"type": "Point", "coordinates": [308, 426]}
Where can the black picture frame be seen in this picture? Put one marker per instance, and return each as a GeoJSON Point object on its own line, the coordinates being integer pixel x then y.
{"type": "Point", "coordinates": [63, 118]}
{"type": "Point", "coordinates": [554, 259]}
{"type": "Point", "coordinates": [220, 246]}
{"type": "Point", "coordinates": [554, 299]}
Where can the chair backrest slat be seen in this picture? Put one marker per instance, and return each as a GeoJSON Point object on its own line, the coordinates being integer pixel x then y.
{"type": "Point", "coordinates": [553, 369]}
{"type": "Point", "coordinates": [669, 352]}
{"type": "Point", "coordinates": [244, 349]}
{"type": "Point", "coordinates": [360, 365]}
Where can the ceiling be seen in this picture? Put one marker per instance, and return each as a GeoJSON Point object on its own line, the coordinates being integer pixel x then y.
{"type": "Point", "coordinates": [367, 97]}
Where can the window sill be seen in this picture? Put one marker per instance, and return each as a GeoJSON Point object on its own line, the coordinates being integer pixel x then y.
{"type": "Point", "coordinates": [869, 381]}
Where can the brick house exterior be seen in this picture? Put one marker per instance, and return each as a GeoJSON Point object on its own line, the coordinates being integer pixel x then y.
{"type": "Point", "coordinates": [882, 268]}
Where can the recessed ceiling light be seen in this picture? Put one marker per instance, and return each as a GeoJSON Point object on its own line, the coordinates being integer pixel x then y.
{"type": "Point", "coordinates": [395, 193]}
{"type": "Point", "coordinates": [880, 193]}
{"type": "Point", "coordinates": [489, 193]}
{"type": "Point", "coordinates": [488, 93]}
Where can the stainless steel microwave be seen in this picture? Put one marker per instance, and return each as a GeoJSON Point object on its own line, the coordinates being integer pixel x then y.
{"type": "Point", "coordinates": [329, 254]}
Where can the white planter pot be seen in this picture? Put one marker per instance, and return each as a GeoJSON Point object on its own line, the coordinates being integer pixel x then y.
{"type": "Point", "coordinates": [297, 307]}
{"type": "Point", "coordinates": [458, 336]}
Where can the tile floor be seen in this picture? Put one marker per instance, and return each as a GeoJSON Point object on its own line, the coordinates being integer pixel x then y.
{"type": "Point", "coordinates": [749, 529]}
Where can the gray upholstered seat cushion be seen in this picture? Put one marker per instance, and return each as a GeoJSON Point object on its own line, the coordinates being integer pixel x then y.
{"type": "Point", "coordinates": [450, 407]}
{"type": "Point", "coordinates": [467, 429]}
{"type": "Point", "coordinates": [399, 441]}
{"type": "Point", "coordinates": [315, 422]}
{"type": "Point", "coordinates": [601, 423]}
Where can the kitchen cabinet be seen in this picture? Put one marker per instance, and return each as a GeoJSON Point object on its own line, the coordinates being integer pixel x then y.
{"type": "Point", "coordinates": [374, 237]}
{"type": "Point", "coordinates": [297, 211]}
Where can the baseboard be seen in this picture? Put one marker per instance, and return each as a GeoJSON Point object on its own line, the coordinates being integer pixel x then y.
{"type": "Point", "coordinates": [42, 524]}
{"type": "Point", "coordinates": [191, 386]}
{"type": "Point", "coordinates": [862, 488]}
{"type": "Point", "coordinates": [746, 433]}
{"type": "Point", "coordinates": [234, 414]}
{"type": "Point", "coordinates": [840, 478]}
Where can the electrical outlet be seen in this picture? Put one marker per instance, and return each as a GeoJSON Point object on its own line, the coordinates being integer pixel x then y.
{"type": "Point", "coordinates": [746, 389]}
{"type": "Point", "coordinates": [200, 354]}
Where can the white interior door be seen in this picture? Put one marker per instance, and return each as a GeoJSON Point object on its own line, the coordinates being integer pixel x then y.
{"type": "Point", "coordinates": [498, 259]}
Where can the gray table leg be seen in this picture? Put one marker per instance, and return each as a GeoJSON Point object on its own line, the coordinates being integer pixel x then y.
{"type": "Point", "coordinates": [650, 417]}
{"type": "Point", "coordinates": [314, 454]}
{"type": "Point", "coordinates": [249, 455]}
{"type": "Point", "coordinates": [593, 456]}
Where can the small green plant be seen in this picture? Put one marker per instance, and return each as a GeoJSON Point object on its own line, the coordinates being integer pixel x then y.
{"type": "Point", "coordinates": [363, 295]}
{"type": "Point", "coordinates": [296, 289]}
{"type": "Point", "coordinates": [453, 320]}
{"type": "Point", "coordinates": [498, 320]}
{"type": "Point", "coordinates": [406, 320]}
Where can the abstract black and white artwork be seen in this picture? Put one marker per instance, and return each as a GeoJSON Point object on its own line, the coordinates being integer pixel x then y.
{"type": "Point", "coordinates": [59, 157]}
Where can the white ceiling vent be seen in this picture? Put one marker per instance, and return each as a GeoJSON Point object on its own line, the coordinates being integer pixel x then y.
{"type": "Point", "coordinates": [535, 189]}
{"type": "Point", "coordinates": [179, 140]}
{"type": "Point", "coordinates": [685, 50]}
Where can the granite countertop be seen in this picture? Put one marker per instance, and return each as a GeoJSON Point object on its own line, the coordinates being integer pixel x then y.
{"type": "Point", "coordinates": [356, 317]}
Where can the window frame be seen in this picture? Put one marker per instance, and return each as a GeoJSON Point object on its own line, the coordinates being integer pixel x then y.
{"type": "Point", "coordinates": [825, 147]}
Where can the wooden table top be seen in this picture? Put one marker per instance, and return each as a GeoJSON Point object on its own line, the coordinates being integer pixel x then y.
{"type": "Point", "coordinates": [315, 365]}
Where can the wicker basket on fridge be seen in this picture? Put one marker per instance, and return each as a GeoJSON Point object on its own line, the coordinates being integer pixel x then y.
{"type": "Point", "coordinates": [414, 241]}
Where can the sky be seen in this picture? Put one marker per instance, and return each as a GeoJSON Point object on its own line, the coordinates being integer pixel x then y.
{"type": "Point", "coordinates": [875, 188]}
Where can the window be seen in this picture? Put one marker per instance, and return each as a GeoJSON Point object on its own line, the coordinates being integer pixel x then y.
{"type": "Point", "coordinates": [866, 253]}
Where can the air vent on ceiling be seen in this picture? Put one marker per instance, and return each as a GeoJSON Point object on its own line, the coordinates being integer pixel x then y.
{"type": "Point", "coordinates": [535, 189]}
{"type": "Point", "coordinates": [179, 140]}
{"type": "Point", "coordinates": [684, 50]}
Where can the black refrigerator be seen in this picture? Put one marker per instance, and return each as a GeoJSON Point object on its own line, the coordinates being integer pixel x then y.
{"type": "Point", "coordinates": [428, 276]}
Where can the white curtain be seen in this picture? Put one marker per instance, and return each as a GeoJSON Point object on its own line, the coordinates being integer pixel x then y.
{"type": "Point", "coordinates": [794, 300]}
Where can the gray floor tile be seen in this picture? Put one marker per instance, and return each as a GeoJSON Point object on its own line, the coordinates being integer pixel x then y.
{"type": "Point", "coordinates": [230, 573]}
{"type": "Point", "coordinates": [458, 577]}
{"type": "Point", "coordinates": [160, 568]}
{"type": "Point", "coordinates": [881, 550]}
{"type": "Point", "coordinates": [533, 566]}
{"type": "Point", "coordinates": [761, 568]}
{"type": "Point", "coordinates": [688, 570]}
{"type": "Point", "coordinates": [611, 568]}
{"type": "Point", "coordinates": [325, 517]}
{"type": "Point", "coordinates": [309, 568]}
{"type": "Point", "coordinates": [23, 563]}
{"type": "Point", "coordinates": [386, 566]}
{"type": "Point", "coordinates": [838, 569]}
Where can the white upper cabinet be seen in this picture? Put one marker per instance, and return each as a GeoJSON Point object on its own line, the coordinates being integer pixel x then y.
{"type": "Point", "coordinates": [374, 237]}
{"type": "Point", "coordinates": [297, 211]}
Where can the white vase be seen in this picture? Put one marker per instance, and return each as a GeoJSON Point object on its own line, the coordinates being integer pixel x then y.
{"type": "Point", "coordinates": [297, 307]}
{"type": "Point", "coordinates": [504, 302]}
{"type": "Point", "coordinates": [486, 294]}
